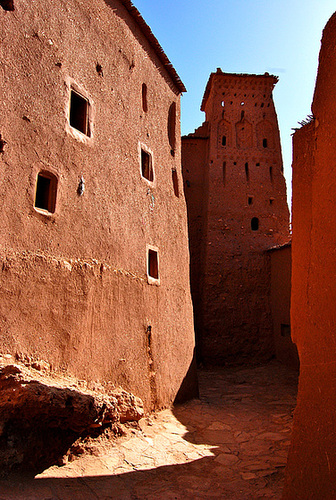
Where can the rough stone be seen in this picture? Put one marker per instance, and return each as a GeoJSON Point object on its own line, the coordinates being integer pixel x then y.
{"type": "Point", "coordinates": [41, 416]}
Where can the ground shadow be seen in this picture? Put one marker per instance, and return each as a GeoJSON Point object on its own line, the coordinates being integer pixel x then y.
{"type": "Point", "coordinates": [244, 415]}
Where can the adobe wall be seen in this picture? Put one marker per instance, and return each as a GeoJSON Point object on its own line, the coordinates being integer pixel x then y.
{"type": "Point", "coordinates": [281, 266]}
{"type": "Point", "coordinates": [74, 282]}
{"type": "Point", "coordinates": [243, 168]}
{"type": "Point", "coordinates": [311, 470]}
{"type": "Point", "coordinates": [194, 161]}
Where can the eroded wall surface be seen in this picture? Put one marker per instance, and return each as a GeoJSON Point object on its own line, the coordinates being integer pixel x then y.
{"type": "Point", "coordinates": [240, 212]}
{"type": "Point", "coordinates": [75, 281]}
{"type": "Point", "coordinates": [311, 470]}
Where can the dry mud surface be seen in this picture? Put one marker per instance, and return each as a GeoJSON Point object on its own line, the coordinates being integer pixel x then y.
{"type": "Point", "coordinates": [230, 444]}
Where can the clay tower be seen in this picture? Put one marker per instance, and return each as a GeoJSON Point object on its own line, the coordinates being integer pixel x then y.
{"type": "Point", "coordinates": [237, 209]}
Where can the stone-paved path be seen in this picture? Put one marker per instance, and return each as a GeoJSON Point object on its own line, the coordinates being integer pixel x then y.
{"type": "Point", "coordinates": [231, 444]}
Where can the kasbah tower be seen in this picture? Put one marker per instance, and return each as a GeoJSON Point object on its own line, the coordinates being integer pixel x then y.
{"type": "Point", "coordinates": [237, 211]}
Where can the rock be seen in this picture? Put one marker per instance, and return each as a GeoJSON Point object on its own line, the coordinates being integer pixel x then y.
{"type": "Point", "coordinates": [41, 416]}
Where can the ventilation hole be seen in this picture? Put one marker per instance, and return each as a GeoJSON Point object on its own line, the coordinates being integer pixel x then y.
{"type": "Point", "coordinates": [224, 140]}
{"type": "Point", "coordinates": [264, 143]}
{"type": "Point", "coordinates": [146, 166]}
{"type": "Point", "coordinates": [79, 113]}
{"type": "Point", "coordinates": [175, 183]}
{"type": "Point", "coordinates": [46, 189]}
{"type": "Point", "coordinates": [99, 69]}
{"type": "Point", "coordinates": [255, 224]}
{"type": "Point", "coordinates": [247, 171]}
{"type": "Point", "coordinates": [144, 97]}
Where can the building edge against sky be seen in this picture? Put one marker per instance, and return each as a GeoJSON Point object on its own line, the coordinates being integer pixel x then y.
{"type": "Point", "coordinates": [94, 242]}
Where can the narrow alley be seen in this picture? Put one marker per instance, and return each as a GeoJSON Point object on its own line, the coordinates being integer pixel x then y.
{"type": "Point", "coordinates": [230, 444]}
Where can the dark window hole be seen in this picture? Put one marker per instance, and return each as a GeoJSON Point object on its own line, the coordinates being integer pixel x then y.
{"type": "Point", "coordinates": [153, 265]}
{"type": "Point", "coordinates": [7, 4]}
{"type": "Point", "coordinates": [46, 189]}
{"type": "Point", "coordinates": [79, 113]}
{"type": "Point", "coordinates": [254, 223]}
{"type": "Point", "coordinates": [146, 166]}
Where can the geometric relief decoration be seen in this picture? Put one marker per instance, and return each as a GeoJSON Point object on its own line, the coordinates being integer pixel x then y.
{"type": "Point", "coordinates": [244, 137]}
{"type": "Point", "coordinates": [265, 135]}
{"type": "Point", "coordinates": [224, 131]}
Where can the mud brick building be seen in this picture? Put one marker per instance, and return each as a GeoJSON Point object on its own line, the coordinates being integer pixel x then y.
{"type": "Point", "coordinates": [311, 469]}
{"type": "Point", "coordinates": [237, 209]}
{"type": "Point", "coordinates": [93, 239]}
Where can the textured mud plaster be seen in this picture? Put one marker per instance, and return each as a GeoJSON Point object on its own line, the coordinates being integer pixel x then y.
{"type": "Point", "coordinates": [237, 209]}
{"type": "Point", "coordinates": [281, 265]}
{"type": "Point", "coordinates": [73, 278]}
{"type": "Point", "coordinates": [311, 469]}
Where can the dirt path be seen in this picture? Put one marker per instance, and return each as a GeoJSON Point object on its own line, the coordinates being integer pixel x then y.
{"type": "Point", "coordinates": [231, 444]}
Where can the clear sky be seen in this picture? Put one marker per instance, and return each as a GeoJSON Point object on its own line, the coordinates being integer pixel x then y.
{"type": "Point", "coordinates": [243, 36]}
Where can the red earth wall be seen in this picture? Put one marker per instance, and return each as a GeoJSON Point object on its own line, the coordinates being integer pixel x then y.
{"type": "Point", "coordinates": [74, 279]}
{"type": "Point", "coordinates": [240, 169]}
{"type": "Point", "coordinates": [281, 267]}
{"type": "Point", "coordinates": [311, 469]}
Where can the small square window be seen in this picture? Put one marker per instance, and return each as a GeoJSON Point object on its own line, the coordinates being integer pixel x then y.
{"type": "Point", "coordinates": [146, 166]}
{"type": "Point", "coordinates": [153, 265]}
{"type": "Point", "coordinates": [46, 189]}
{"type": "Point", "coordinates": [79, 112]}
{"type": "Point", "coordinates": [7, 4]}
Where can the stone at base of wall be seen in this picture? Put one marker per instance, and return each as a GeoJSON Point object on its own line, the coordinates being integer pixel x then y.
{"type": "Point", "coordinates": [42, 414]}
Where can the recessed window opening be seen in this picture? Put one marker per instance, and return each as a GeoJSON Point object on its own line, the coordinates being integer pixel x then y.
{"type": "Point", "coordinates": [285, 330]}
{"type": "Point", "coordinates": [46, 188]}
{"type": "Point", "coordinates": [224, 172]}
{"type": "Point", "coordinates": [254, 223]}
{"type": "Point", "coordinates": [247, 174]}
{"type": "Point", "coordinates": [250, 200]}
{"type": "Point", "coordinates": [271, 201]}
{"type": "Point", "coordinates": [7, 4]}
{"type": "Point", "coordinates": [264, 143]}
{"type": "Point", "coordinates": [262, 105]}
{"type": "Point", "coordinates": [172, 127]}
{"type": "Point", "coordinates": [242, 114]}
{"type": "Point", "coordinates": [235, 163]}
{"type": "Point", "coordinates": [146, 166]}
{"type": "Point", "coordinates": [144, 98]}
{"type": "Point", "coordinates": [153, 264]}
{"type": "Point", "coordinates": [175, 183]}
{"type": "Point", "coordinates": [257, 164]}
{"type": "Point", "coordinates": [79, 113]}
{"type": "Point", "coordinates": [224, 140]}
{"type": "Point", "coordinates": [271, 173]}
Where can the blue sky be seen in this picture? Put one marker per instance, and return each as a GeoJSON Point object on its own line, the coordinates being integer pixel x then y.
{"type": "Point", "coordinates": [243, 36]}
